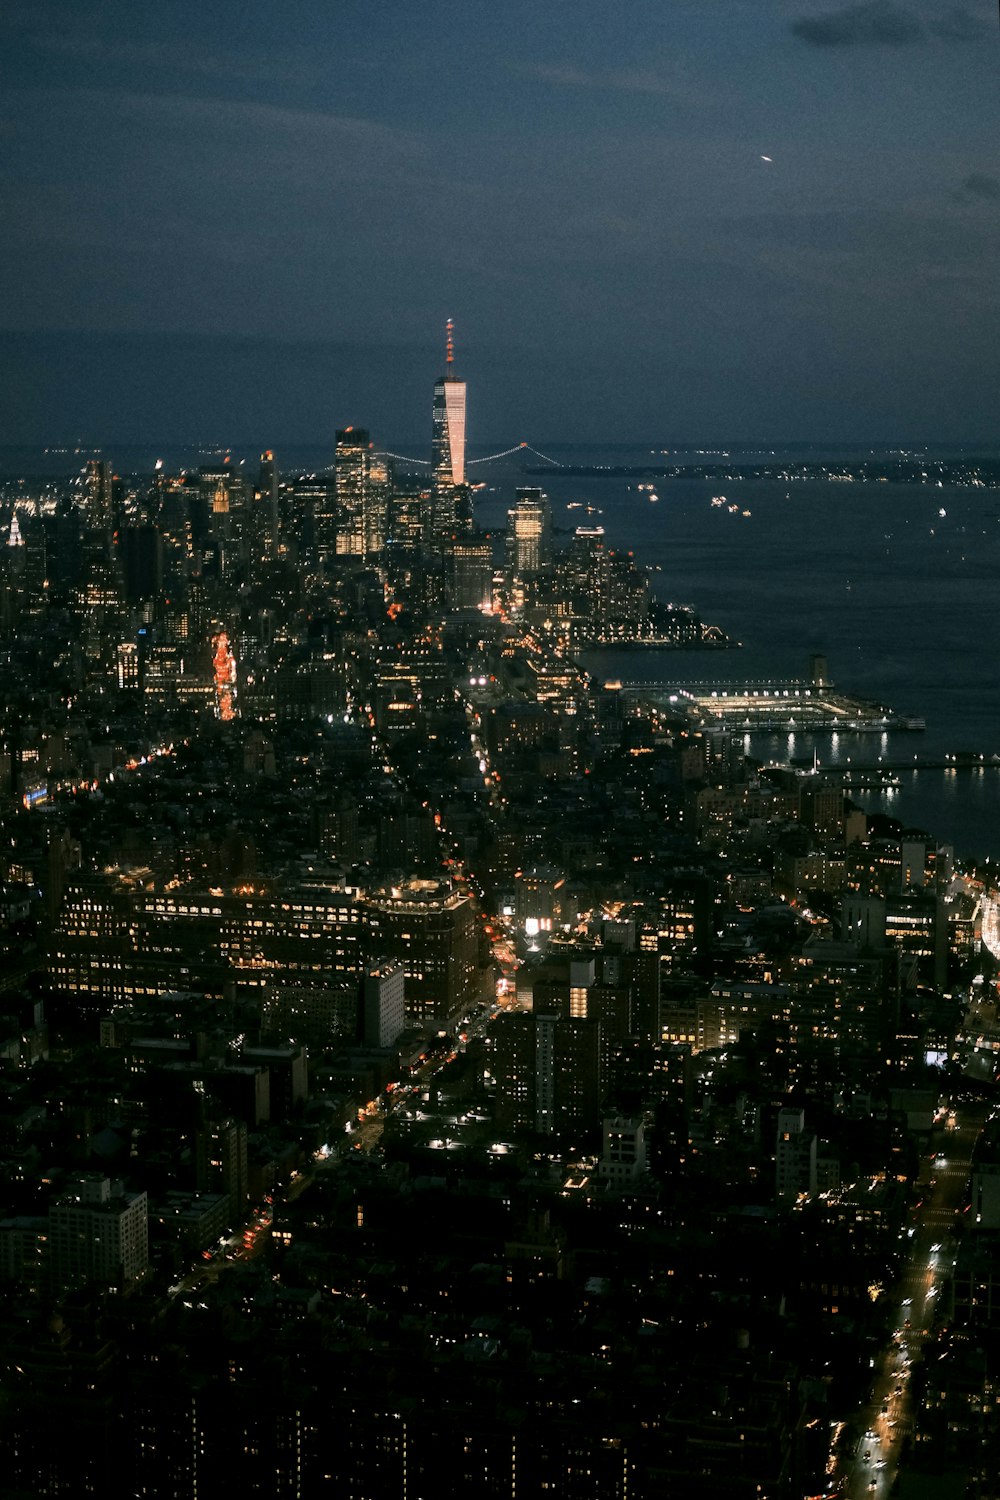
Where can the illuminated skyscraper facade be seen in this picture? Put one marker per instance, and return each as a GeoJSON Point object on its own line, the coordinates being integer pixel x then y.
{"type": "Point", "coordinates": [360, 498]}
{"type": "Point", "coordinates": [352, 468]}
{"type": "Point", "coordinates": [449, 431]}
{"type": "Point", "coordinates": [529, 530]}
{"type": "Point", "coordinates": [221, 488]}
{"type": "Point", "coordinates": [448, 449]}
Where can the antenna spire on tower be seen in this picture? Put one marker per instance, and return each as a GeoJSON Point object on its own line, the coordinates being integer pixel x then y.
{"type": "Point", "coordinates": [449, 345]}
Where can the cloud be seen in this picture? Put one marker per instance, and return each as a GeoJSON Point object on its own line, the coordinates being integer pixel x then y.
{"type": "Point", "coordinates": [874, 23]}
{"type": "Point", "coordinates": [621, 80]}
{"type": "Point", "coordinates": [979, 185]}
{"type": "Point", "coordinates": [149, 118]}
{"type": "Point", "coordinates": [884, 23]}
{"type": "Point", "coordinates": [219, 181]}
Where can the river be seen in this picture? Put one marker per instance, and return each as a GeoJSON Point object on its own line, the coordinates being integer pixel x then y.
{"type": "Point", "coordinates": [894, 584]}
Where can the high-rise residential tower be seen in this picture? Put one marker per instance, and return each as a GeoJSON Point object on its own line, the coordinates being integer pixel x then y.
{"type": "Point", "coordinates": [448, 447]}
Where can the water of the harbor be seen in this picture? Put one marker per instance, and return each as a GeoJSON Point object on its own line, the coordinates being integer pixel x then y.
{"type": "Point", "coordinates": [896, 585]}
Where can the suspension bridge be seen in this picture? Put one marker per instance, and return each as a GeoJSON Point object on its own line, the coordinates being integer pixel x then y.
{"type": "Point", "coordinates": [488, 458]}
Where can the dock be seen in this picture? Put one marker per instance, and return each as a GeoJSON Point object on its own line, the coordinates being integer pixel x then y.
{"type": "Point", "coordinates": [769, 706]}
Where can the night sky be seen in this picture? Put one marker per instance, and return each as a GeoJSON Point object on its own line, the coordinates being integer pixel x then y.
{"type": "Point", "coordinates": [248, 221]}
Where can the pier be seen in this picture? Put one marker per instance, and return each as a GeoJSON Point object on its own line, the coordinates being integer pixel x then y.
{"type": "Point", "coordinates": [772, 706]}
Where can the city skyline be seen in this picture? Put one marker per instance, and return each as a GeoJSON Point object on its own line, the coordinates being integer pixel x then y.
{"type": "Point", "coordinates": [500, 859]}
{"type": "Point", "coordinates": [773, 220]}
{"type": "Point", "coordinates": [393, 990]}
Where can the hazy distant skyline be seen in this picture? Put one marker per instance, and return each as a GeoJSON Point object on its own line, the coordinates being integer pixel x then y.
{"type": "Point", "coordinates": [235, 219]}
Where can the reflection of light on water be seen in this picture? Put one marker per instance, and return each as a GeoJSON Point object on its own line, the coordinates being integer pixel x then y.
{"type": "Point", "coordinates": [883, 741]}
{"type": "Point", "coordinates": [958, 809]}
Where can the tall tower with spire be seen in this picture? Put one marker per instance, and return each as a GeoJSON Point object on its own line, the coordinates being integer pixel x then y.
{"type": "Point", "coordinates": [448, 447]}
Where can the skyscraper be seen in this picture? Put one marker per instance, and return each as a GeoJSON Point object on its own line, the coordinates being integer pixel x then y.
{"type": "Point", "coordinates": [262, 540]}
{"type": "Point", "coordinates": [383, 989]}
{"type": "Point", "coordinates": [448, 446]}
{"type": "Point", "coordinates": [221, 486]}
{"type": "Point", "coordinates": [98, 491]}
{"type": "Point", "coordinates": [529, 528]}
{"type": "Point", "coordinates": [313, 517]}
{"type": "Point", "coordinates": [222, 494]}
{"type": "Point", "coordinates": [140, 552]}
{"type": "Point", "coordinates": [470, 572]}
{"type": "Point", "coordinates": [352, 466]}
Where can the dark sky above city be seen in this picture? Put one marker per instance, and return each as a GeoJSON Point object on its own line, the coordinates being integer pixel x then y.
{"type": "Point", "coordinates": [650, 219]}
